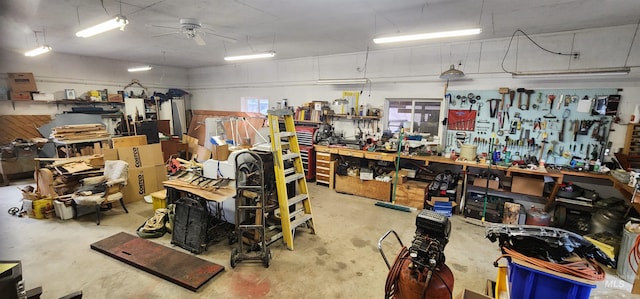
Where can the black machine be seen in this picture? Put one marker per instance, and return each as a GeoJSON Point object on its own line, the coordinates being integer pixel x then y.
{"type": "Point", "coordinates": [432, 235]}
{"type": "Point", "coordinates": [421, 269]}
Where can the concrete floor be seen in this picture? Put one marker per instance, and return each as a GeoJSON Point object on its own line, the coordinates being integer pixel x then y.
{"type": "Point", "coordinates": [340, 261]}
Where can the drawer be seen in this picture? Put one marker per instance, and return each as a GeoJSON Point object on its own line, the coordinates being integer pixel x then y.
{"type": "Point", "coordinates": [325, 164]}
{"type": "Point", "coordinates": [380, 156]}
{"type": "Point", "coordinates": [351, 153]}
{"type": "Point", "coordinates": [323, 157]}
{"type": "Point", "coordinates": [322, 170]}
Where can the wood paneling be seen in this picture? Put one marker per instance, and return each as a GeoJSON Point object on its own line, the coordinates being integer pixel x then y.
{"type": "Point", "coordinates": [21, 126]}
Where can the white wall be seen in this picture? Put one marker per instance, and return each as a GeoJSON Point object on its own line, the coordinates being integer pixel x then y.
{"type": "Point", "coordinates": [413, 72]}
{"type": "Point", "coordinates": [55, 72]}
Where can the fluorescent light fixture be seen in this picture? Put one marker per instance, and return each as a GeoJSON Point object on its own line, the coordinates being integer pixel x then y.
{"type": "Point", "coordinates": [251, 56]}
{"type": "Point", "coordinates": [37, 51]}
{"type": "Point", "coordinates": [343, 81]}
{"type": "Point", "coordinates": [620, 71]}
{"type": "Point", "coordinates": [414, 37]}
{"type": "Point", "coordinates": [118, 21]}
{"type": "Point", "coordinates": [139, 68]}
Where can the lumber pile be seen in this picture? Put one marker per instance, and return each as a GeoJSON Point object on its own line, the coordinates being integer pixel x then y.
{"type": "Point", "coordinates": [80, 132]}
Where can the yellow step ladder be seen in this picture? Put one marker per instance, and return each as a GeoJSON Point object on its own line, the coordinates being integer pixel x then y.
{"type": "Point", "coordinates": [301, 202]}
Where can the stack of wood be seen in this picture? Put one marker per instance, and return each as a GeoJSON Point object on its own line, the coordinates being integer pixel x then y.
{"type": "Point", "coordinates": [80, 132]}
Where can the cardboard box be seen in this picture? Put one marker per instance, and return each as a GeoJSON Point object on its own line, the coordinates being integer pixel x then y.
{"type": "Point", "coordinates": [220, 152]}
{"type": "Point", "coordinates": [115, 97]}
{"type": "Point", "coordinates": [20, 96]}
{"type": "Point", "coordinates": [110, 154]}
{"type": "Point", "coordinates": [143, 181]}
{"type": "Point", "coordinates": [482, 182]}
{"type": "Point", "coordinates": [141, 156]}
{"type": "Point", "coordinates": [366, 174]}
{"type": "Point", "coordinates": [469, 294]}
{"type": "Point", "coordinates": [129, 141]}
{"type": "Point", "coordinates": [46, 97]}
{"type": "Point", "coordinates": [527, 185]}
{"type": "Point", "coordinates": [22, 82]}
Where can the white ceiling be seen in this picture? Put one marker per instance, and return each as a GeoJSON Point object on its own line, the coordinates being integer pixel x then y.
{"type": "Point", "coordinates": [292, 28]}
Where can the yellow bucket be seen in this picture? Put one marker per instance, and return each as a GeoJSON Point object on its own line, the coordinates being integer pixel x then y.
{"type": "Point", "coordinates": [41, 206]}
{"type": "Point", "coordinates": [159, 199]}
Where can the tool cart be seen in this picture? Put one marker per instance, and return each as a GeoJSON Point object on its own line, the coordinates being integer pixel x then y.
{"type": "Point", "coordinates": [252, 208]}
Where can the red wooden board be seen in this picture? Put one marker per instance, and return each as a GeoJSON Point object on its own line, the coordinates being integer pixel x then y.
{"type": "Point", "coordinates": [180, 268]}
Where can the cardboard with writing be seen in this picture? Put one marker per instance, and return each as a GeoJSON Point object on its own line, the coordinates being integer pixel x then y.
{"type": "Point", "coordinates": [141, 156]}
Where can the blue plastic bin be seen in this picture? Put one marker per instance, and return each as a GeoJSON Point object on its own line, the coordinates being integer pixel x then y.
{"type": "Point", "coordinates": [528, 283]}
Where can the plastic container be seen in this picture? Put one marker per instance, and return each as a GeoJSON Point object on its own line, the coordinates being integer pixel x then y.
{"type": "Point", "coordinates": [159, 199]}
{"type": "Point", "coordinates": [62, 211]}
{"type": "Point", "coordinates": [528, 283]}
{"type": "Point", "coordinates": [468, 152]}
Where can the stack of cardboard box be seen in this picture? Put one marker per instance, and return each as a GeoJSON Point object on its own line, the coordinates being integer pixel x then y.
{"type": "Point", "coordinates": [22, 85]}
{"type": "Point", "coordinates": [147, 170]}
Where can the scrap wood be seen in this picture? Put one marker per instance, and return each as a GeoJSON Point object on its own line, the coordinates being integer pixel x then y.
{"type": "Point", "coordinates": [75, 167]}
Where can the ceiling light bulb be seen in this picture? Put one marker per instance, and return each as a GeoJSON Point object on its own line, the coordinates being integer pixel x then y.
{"type": "Point", "coordinates": [37, 51]}
{"type": "Point", "coordinates": [117, 22]}
{"type": "Point", "coordinates": [251, 56]}
{"type": "Point", "coordinates": [414, 37]}
{"type": "Point", "coordinates": [140, 68]}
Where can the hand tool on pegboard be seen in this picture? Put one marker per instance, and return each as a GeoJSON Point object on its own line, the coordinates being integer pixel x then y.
{"type": "Point", "coordinates": [503, 91]}
{"type": "Point", "coordinates": [565, 115]}
{"type": "Point", "coordinates": [529, 92]}
{"type": "Point", "coordinates": [520, 92]}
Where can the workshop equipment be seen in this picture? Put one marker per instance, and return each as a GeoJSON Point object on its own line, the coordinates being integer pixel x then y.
{"type": "Point", "coordinates": [550, 114]}
{"type": "Point", "coordinates": [503, 91]}
{"type": "Point", "coordinates": [301, 215]}
{"type": "Point", "coordinates": [421, 269]}
{"type": "Point", "coordinates": [520, 91]}
{"type": "Point", "coordinates": [529, 92]}
{"type": "Point", "coordinates": [565, 115]}
{"type": "Point", "coordinates": [512, 96]}
{"type": "Point", "coordinates": [251, 208]}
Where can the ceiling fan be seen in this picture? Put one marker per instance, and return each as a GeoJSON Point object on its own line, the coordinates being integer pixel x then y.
{"type": "Point", "coordinates": [194, 30]}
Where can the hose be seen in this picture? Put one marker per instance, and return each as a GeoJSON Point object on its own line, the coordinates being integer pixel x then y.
{"type": "Point", "coordinates": [635, 254]}
{"type": "Point", "coordinates": [390, 286]}
{"type": "Point", "coordinates": [586, 268]}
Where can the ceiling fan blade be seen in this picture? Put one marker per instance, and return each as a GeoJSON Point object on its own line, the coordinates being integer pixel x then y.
{"type": "Point", "coordinates": [165, 34]}
{"type": "Point", "coordinates": [199, 40]}
{"type": "Point", "coordinates": [219, 36]}
{"type": "Point", "coordinates": [165, 27]}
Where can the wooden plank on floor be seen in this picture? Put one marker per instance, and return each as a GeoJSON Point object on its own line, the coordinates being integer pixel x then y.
{"type": "Point", "coordinates": [180, 268]}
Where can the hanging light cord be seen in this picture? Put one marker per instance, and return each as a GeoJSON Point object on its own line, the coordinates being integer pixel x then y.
{"type": "Point", "coordinates": [532, 41]}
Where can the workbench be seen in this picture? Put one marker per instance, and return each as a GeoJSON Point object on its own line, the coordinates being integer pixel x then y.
{"type": "Point", "coordinates": [558, 176]}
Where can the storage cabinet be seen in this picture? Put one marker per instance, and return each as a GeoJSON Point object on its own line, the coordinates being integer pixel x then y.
{"type": "Point", "coordinates": [371, 189]}
{"type": "Point", "coordinates": [323, 167]}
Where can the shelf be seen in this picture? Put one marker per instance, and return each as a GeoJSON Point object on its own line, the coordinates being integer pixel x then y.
{"type": "Point", "coordinates": [65, 102]}
{"type": "Point", "coordinates": [355, 117]}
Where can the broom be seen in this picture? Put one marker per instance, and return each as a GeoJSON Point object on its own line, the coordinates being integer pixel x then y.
{"type": "Point", "coordinates": [392, 204]}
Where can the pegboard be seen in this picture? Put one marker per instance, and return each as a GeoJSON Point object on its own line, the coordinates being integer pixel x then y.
{"type": "Point", "coordinates": [538, 131]}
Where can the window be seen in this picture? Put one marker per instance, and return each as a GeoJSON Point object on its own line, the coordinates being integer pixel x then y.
{"type": "Point", "coordinates": [415, 115]}
{"type": "Point", "coordinates": [255, 104]}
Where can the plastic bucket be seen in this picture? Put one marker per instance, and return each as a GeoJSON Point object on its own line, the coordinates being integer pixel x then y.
{"type": "Point", "coordinates": [40, 207]}
{"type": "Point", "coordinates": [468, 152]}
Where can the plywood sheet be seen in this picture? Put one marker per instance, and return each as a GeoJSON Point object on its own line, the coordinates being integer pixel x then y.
{"type": "Point", "coordinates": [180, 268]}
{"type": "Point", "coordinates": [21, 126]}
